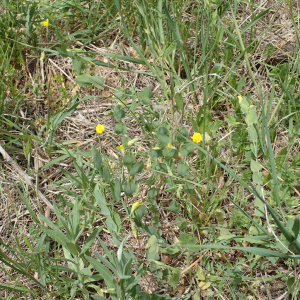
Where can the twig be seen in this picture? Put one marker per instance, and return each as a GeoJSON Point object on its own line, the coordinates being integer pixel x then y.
{"type": "Point", "coordinates": [193, 263]}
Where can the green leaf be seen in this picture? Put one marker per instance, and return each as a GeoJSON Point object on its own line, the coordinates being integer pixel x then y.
{"type": "Point", "coordinates": [182, 134]}
{"type": "Point", "coordinates": [107, 275]}
{"type": "Point", "coordinates": [97, 297]}
{"type": "Point", "coordinates": [101, 201]}
{"type": "Point", "coordinates": [120, 128]}
{"type": "Point", "coordinates": [130, 187]}
{"type": "Point", "coordinates": [106, 174]}
{"type": "Point", "coordinates": [241, 84]}
{"type": "Point", "coordinates": [86, 81]}
{"type": "Point", "coordinates": [296, 227]}
{"type": "Point", "coordinates": [145, 95]}
{"type": "Point", "coordinates": [57, 235]}
{"type": "Point", "coordinates": [163, 130]}
{"type": "Point", "coordinates": [119, 112]}
{"type": "Point", "coordinates": [251, 117]}
{"type": "Point", "coordinates": [129, 160]}
{"type": "Point", "coordinates": [179, 101]}
{"type": "Point", "coordinates": [15, 288]}
{"type": "Point", "coordinates": [296, 161]}
{"type": "Point", "coordinates": [72, 248]}
{"type": "Point", "coordinates": [170, 153]}
{"type": "Point", "coordinates": [163, 139]}
{"type": "Point", "coordinates": [152, 253]}
{"type": "Point", "coordinates": [174, 279]}
{"type": "Point", "coordinates": [121, 248]}
{"type": "Point", "coordinates": [185, 238]}
{"type": "Point", "coordinates": [117, 189]}
{"type": "Point", "coordinates": [174, 206]}
{"type": "Point", "coordinates": [255, 20]}
{"type": "Point", "coordinates": [188, 188]}
{"type": "Point", "coordinates": [97, 157]}
{"type": "Point", "coordinates": [111, 225]}
{"type": "Point", "coordinates": [137, 168]}
{"type": "Point", "coordinates": [78, 66]}
{"type": "Point", "coordinates": [244, 105]}
{"type": "Point", "coordinates": [76, 217]}
{"type": "Point", "coordinates": [182, 169]}
{"type": "Point", "coordinates": [170, 49]}
{"type": "Point", "coordinates": [281, 158]}
{"type": "Point", "coordinates": [255, 166]}
{"type": "Point", "coordinates": [89, 241]}
{"type": "Point", "coordinates": [187, 149]}
{"type": "Point", "coordinates": [254, 250]}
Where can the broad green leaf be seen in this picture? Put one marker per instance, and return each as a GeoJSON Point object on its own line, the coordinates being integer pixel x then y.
{"type": "Point", "coordinates": [182, 169]}
{"type": "Point", "coordinates": [119, 112]}
{"type": "Point", "coordinates": [255, 166]}
{"type": "Point", "coordinates": [130, 187]}
{"type": "Point", "coordinates": [163, 139]}
{"type": "Point", "coordinates": [174, 279]}
{"type": "Point", "coordinates": [174, 206]}
{"type": "Point", "coordinates": [163, 130]}
{"type": "Point", "coordinates": [78, 66]}
{"type": "Point", "coordinates": [182, 134]}
{"type": "Point", "coordinates": [137, 168]}
{"type": "Point", "coordinates": [251, 117]}
{"type": "Point", "coordinates": [185, 238]}
{"type": "Point", "coordinates": [120, 129]}
{"type": "Point", "coordinates": [244, 105]}
{"type": "Point", "coordinates": [111, 225]}
{"type": "Point", "coordinates": [187, 149]}
{"type": "Point", "coordinates": [129, 160]}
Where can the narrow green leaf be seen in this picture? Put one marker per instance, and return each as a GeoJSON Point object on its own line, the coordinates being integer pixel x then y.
{"type": "Point", "coordinates": [121, 248]}
{"type": "Point", "coordinates": [97, 157]}
{"type": "Point", "coordinates": [107, 275]}
{"type": "Point", "coordinates": [89, 241]}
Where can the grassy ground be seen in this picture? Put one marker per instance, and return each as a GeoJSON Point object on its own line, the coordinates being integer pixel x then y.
{"type": "Point", "coordinates": [150, 149]}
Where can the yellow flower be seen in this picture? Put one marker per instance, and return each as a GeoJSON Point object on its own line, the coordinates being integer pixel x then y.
{"type": "Point", "coordinates": [121, 147]}
{"type": "Point", "coordinates": [240, 98]}
{"type": "Point", "coordinates": [99, 129]}
{"type": "Point", "coordinates": [148, 167]}
{"type": "Point", "coordinates": [135, 206]}
{"type": "Point", "coordinates": [46, 23]}
{"type": "Point", "coordinates": [169, 145]}
{"type": "Point", "coordinates": [197, 137]}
